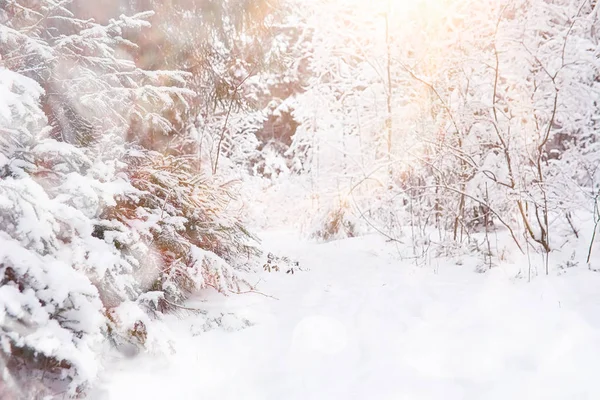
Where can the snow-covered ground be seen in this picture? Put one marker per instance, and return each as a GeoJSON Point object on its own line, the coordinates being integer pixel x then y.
{"type": "Point", "coordinates": [359, 324]}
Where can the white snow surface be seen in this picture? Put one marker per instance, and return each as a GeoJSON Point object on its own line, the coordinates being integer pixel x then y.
{"type": "Point", "coordinates": [358, 323]}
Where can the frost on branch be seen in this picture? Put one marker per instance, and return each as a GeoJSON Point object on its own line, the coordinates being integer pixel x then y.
{"type": "Point", "coordinates": [184, 224]}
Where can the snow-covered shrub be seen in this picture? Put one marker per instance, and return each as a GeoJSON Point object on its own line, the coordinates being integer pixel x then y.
{"type": "Point", "coordinates": [337, 222]}
{"type": "Point", "coordinates": [131, 328]}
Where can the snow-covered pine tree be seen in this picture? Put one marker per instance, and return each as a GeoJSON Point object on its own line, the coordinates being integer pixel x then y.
{"type": "Point", "coordinates": [50, 312]}
{"type": "Point", "coordinates": [77, 226]}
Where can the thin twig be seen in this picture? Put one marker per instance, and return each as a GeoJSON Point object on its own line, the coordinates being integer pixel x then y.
{"type": "Point", "coordinates": [256, 292]}
{"type": "Point", "coordinates": [184, 307]}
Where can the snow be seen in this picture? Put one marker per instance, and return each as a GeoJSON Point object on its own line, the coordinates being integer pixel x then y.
{"type": "Point", "coordinates": [358, 323]}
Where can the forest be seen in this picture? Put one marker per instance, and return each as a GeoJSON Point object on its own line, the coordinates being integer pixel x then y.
{"type": "Point", "coordinates": [174, 173]}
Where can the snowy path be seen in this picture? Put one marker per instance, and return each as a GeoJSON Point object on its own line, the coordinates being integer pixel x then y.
{"type": "Point", "coordinates": [360, 325]}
